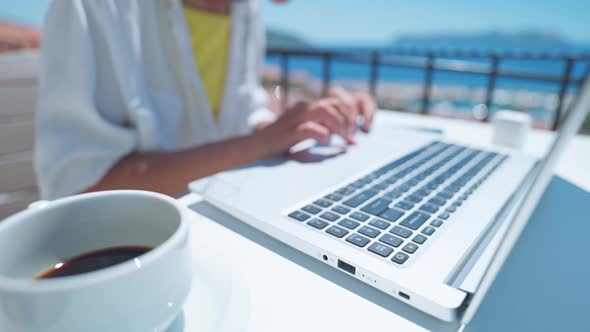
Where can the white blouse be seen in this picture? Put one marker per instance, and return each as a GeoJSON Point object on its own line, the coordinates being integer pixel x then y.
{"type": "Point", "coordinates": [118, 77]}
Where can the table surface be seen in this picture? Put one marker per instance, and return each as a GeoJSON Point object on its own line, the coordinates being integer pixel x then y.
{"type": "Point", "coordinates": [247, 281]}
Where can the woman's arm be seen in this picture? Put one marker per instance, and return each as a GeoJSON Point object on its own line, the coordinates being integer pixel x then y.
{"type": "Point", "coordinates": [170, 172]}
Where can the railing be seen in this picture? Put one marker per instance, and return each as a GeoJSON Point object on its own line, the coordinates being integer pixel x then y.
{"type": "Point", "coordinates": [493, 71]}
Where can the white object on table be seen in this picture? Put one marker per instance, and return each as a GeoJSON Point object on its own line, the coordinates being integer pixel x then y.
{"type": "Point", "coordinates": [119, 298]}
{"type": "Point", "coordinates": [287, 291]}
{"type": "Point", "coordinates": [511, 128]}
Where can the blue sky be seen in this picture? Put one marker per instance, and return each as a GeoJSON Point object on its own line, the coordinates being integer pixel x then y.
{"type": "Point", "coordinates": [374, 22]}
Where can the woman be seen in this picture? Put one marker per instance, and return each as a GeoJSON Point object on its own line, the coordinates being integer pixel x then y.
{"type": "Point", "coordinates": [125, 101]}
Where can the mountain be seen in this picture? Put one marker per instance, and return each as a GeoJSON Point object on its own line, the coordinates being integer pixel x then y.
{"type": "Point", "coordinates": [525, 40]}
{"type": "Point", "coordinates": [281, 39]}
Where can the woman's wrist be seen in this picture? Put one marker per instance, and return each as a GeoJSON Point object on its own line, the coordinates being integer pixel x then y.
{"type": "Point", "coordinates": [261, 144]}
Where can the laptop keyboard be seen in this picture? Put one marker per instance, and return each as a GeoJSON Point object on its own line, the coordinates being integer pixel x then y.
{"type": "Point", "coordinates": [394, 210]}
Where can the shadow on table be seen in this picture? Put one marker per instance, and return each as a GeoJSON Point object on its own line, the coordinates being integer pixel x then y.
{"type": "Point", "coordinates": [178, 324]}
{"type": "Point", "coordinates": [543, 285]}
{"type": "Point", "coordinates": [540, 275]}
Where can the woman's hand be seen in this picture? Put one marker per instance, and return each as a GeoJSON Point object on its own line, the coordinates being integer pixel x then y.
{"type": "Point", "coordinates": [354, 106]}
{"type": "Point", "coordinates": [337, 114]}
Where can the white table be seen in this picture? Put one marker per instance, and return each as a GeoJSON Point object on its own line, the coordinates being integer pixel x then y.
{"type": "Point", "coordinates": [261, 285]}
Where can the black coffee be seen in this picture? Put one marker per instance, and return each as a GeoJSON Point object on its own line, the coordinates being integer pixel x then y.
{"type": "Point", "coordinates": [94, 260]}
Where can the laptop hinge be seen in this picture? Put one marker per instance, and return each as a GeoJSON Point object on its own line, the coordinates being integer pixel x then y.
{"type": "Point", "coordinates": [468, 277]}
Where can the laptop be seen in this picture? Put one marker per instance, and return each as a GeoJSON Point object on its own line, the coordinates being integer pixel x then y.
{"type": "Point", "coordinates": [425, 220]}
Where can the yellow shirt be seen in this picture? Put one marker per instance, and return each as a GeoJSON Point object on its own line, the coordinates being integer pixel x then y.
{"type": "Point", "coordinates": [210, 36]}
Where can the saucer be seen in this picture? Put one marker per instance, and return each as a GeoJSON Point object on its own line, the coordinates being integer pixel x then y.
{"type": "Point", "coordinates": [218, 301]}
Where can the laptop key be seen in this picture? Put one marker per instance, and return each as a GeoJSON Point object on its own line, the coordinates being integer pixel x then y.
{"type": "Point", "coordinates": [338, 232]}
{"type": "Point", "coordinates": [410, 248]}
{"type": "Point", "coordinates": [404, 205]}
{"type": "Point", "coordinates": [453, 188]}
{"type": "Point", "coordinates": [451, 209]}
{"type": "Point", "coordinates": [359, 216]}
{"type": "Point", "coordinates": [414, 198]}
{"type": "Point", "coordinates": [311, 209]}
{"type": "Point", "coordinates": [393, 241]}
{"type": "Point", "coordinates": [369, 231]}
{"type": "Point", "coordinates": [379, 224]}
{"type": "Point", "coordinates": [436, 223]}
{"type": "Point", "coordinates": [392, 180]}
{"type": "Point", "coordinates": [400, 258]}
{"type": "Point", "coordinates": [428, 230]}
{"type": "Point", "coordinates": [377, 206]}
{"type": "Point", "coordinates": [438, 201]}
{"type": "Point", "coordinates": [381, 186]}
{"type": "Point", "coordinates": [446, 194]}
{"type": "Point", "coordinates": [380, 249]}
{"type": "Point", "coordinates": [346, 191]}
{"type": "Point", "coordinates": [415, 220]}
{"type": "Point", "coordinates": [431, 186]}
{"type": "Point", "coordinates": [393, 194]}
{"type": "Point", "coordinates": [300, 216]}
{"type": "Point", "coordinates": [417, 194]}
{"type": "Point", "coordinates": [329, 216]}
{"type": "Point", "coordinates": [359, 199]}
{"type": "Point", "coordinates": [358, 184]}
{"type": "Point", "coordinates": [365, 180]}
{"type": "Point", "coordinates": [445, 215]}
{"type": "Point", "coordinates": [424, 192]}
{"type": "Point", "coordinates": [358, 240]}
{"type": "Point", "coordinates": [419, 239]}
{"type": "Point", "coordinates": [404, 188]}
{"type": "Point", "coordinates": [334, 197]}
{"type": "Point", "coordinates": [391, 214]}
{"type": "Point", "coordinates": [350, 224]}
{"type": "Point", "coordinates": [319, 224]}
{"type": "Point", "coordinates": [429, 208]}
{"type": "Point", "coordinates": [400, 231]}
{"type": "Point", "coordinates": [323, 203]}
{"type": "Point", "coordinates": [340, 209]}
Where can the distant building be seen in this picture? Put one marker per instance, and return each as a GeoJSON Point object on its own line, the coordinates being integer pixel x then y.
{"type": "Point", "coordinates": [14, 36]}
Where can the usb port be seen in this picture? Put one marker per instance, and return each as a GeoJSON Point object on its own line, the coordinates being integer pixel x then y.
{"type": "Point", "coordinates": [346, 267]}
{"type": "Point", "coordinates": [404, 295]}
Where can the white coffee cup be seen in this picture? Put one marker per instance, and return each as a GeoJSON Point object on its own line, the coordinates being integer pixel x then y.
{"type": "Point", "coordinates": [143, 294]}
{"type": "Point", "coordinates": [511, 128]}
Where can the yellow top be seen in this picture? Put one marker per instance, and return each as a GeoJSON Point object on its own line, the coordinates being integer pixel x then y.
{"type": "Point", "coordinates": [210, 36]}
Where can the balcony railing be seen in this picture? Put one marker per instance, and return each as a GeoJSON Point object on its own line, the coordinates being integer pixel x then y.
{"type": "Point", "coordinates": [427, 61]}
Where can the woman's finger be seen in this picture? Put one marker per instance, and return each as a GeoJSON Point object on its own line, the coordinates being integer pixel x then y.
{"type": "Point", "coordinates": [324, 111]}
{"type": "Point", "coordinates": [348, 105]}
{"type": "Point", "coordinates": [367, 108]}
{"type": "Point", "coordinates": [327, 113]}
{"type": "Point", "coordinates": [314, 130]}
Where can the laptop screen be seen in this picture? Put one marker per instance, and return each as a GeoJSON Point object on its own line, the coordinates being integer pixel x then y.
{"type": "Point", "coordinates": [572, 123]}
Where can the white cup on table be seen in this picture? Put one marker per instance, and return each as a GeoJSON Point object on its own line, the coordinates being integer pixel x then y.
{"type": "Point", "coordinates": [141, 294]}
{"type": "Point", "coordinates": [511, 128]}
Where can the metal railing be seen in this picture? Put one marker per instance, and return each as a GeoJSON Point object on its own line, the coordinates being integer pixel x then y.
{"type": "Point", "coordinates": [407, 59]}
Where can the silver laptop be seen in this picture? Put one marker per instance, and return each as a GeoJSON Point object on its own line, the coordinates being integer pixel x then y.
{"type": "Point", "coordinates": [426, 220]}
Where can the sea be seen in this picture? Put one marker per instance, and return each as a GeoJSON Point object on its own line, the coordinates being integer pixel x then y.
{"type": "Point", "coordinates": [342, 70]}
{"type": "Point", "coordinates": [345, 71]}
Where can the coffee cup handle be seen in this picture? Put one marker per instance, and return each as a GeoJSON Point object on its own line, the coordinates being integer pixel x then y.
{"type": "Point", "coordinates": [38, 205]}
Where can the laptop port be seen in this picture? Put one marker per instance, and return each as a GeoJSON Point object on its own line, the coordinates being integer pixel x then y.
{"type": "Point", "coordinates": [346, 267]}
{"type": "Point", "coordinates": [404, 295]}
